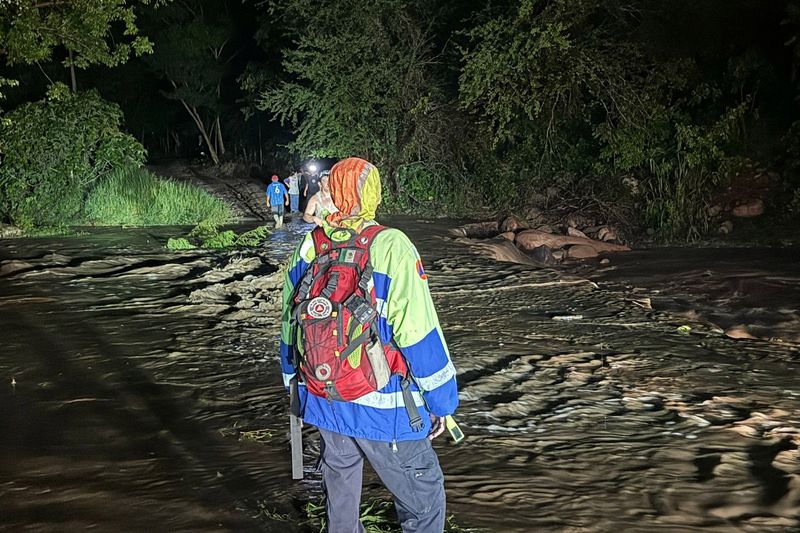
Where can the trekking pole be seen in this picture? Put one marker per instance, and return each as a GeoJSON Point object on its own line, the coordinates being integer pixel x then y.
{"type": "Point", "coordinates": [295, 433]}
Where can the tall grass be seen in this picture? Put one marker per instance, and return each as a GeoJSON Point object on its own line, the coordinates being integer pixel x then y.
{"type": "Point", "coordinates": [136, 197]}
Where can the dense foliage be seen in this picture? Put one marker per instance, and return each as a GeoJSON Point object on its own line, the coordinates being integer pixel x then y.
{"type": "Point", "coordinates": [80, 31]}
{"type": "Point", "coordinates": [54, 150]}
{"type": "Point", "coordinates": [193, 50]}
{"type": "Point", "coordinates": [643, 113]}
{"type": "Point", "coordinates": [641, 110]}
{"type": "Point", "coordinates": [362, 80]}
{"type": "Point", "coordinates": [135, 197]}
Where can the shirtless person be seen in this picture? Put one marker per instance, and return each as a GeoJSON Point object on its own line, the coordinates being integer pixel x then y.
{"type": "Point", "coordinates": [320, 205]}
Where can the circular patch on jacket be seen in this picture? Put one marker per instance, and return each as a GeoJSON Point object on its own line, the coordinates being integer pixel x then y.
{"type": "Point", "coordinates": [320, 307]}
{"type": "Point", "coordinates": [322, 372]}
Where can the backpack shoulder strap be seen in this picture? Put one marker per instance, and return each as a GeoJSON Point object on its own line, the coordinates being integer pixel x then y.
{"type": "Point", "coordinates": [322, 243]}
{"type": "Point", "coordinates": [364, 239]}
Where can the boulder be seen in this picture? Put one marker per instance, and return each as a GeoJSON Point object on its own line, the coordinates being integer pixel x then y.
{"type": "Point", "coordinates": [581, 251]}
{"type": "Point", "coordinates": [749, 209]}
{"type": "Point", "coordinates": [508, 235]}
{"type": "Point", "coordinates": [512, 224]}
{"type": "Point", "coordinates": [543, 254]}
{"type": "Point", "coordinates": [529, 239]}
{"type": "Point", "coordinates": [739, 332]}
{"type": "Point", "coordinates": [575, 232]}
{"type": "Point", "coordinates": [499, 250]}
{"type": "Point", "coordinates": [606, 234]}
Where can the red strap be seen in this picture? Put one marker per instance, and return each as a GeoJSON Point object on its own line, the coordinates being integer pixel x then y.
{"type": "Point", "coordinates": [364, 239]}
{"type": "Point", "coordinates": [319, 237]}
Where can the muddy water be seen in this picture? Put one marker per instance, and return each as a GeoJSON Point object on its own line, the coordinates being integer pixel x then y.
{"type": "Point", "coordinates": [129, 375]}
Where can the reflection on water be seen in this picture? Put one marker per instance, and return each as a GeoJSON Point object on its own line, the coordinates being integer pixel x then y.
{"type": "Point", "coordinates": [127, 373]}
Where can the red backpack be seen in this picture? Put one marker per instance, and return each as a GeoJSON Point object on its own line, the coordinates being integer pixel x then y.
{"type": "Point", "coordinates": [339, 353]}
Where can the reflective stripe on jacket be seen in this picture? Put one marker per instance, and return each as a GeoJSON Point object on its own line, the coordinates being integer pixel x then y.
{"type": "Point", "coordinates": [407, 315]}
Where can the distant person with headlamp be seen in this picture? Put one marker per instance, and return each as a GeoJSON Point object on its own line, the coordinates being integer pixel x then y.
{"type": "Point", "coordinates": [320, 205]}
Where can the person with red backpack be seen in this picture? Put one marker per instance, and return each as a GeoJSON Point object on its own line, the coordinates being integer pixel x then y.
{"type": "Point", "coordinates": [365, 358]}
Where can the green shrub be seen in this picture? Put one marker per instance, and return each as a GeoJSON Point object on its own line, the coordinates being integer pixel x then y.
{"type": "Point", "coordinates": [53, 150]}
{"type": "Point", "coordinates": [207, 235]}
{"type": "Point", "coordinates": [254, 237]}
{"type": "Point", "coordinates": [180, 243]}
{"type": "Point", "coordinates": [136, 197]}
{"type": "Point", "coordinates": [223, 239]}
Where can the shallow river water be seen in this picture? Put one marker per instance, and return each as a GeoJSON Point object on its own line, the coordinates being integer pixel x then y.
{"type": "Point", "coordinates": [140, 390]}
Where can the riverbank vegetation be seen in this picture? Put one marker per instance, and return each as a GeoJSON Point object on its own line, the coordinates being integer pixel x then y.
{"type": "Point", "coordinates": [658, 117]}
{"type": "Point", "coordinates": [208, 235]}
{"type": "Point", "coordinates": [133, 196]}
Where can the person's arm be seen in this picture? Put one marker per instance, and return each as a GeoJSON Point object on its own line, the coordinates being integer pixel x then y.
{"type": "Point", "coordinates": [298, 264]}
{"type": "Point", "coordinates": [415, 325]}
{"type": "Point", "coordinates": [311, 207]}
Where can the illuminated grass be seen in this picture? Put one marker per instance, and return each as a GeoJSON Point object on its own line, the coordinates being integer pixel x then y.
{"type": "Point", "coordinates": [137, 197]}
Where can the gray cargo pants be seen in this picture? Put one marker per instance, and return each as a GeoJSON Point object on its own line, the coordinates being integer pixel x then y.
{"type": "Point", "coordinates": [412, 474]}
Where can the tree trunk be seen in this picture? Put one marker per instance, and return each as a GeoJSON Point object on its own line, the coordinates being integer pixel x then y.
{"type": "Point", "coordinates": [220, 143]}
{"type": "Point", "coordinates": [72, 72]}
{"type": "Point", "coordinates": [260, 151]}
{"type": "Point", "coordinates": [198, 121]}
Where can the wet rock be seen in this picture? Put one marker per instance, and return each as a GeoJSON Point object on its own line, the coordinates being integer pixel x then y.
{"type": "Point", "coordinates": [9, 267]}
{"type": "Point", "coordinates": [512, 224]}
{"type": "Point", "coordinates": [725, 228]}
{"type": "Point", "coordinates": [499, 249]}
{"type": "Point", "coordinates": [575, 232]}
{"type": "Point", "coordinates": [605, 261]}
{"type": "Point", "coordinates": [543, 254]}
{"type": "Point", "coordinates": [530, 239]}
{"type": "Point", "coordinates": [8, 231]}
{"type": "Point", "coordinates": [509, 235]}
{"type": "Point", "coordinates": [752, 208]}
{"type": "Point", "coordinates": [606, 234]}
{"type": "Point", "coordinates": [581, 251]}
{"type": "Point", "coordinates": [739, 332]}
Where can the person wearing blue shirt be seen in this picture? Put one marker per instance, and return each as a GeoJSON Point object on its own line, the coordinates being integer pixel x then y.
{"type": "Point", "coordinates": [278, 197]}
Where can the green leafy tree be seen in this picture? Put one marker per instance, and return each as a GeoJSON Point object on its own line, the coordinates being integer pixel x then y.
{"type": "Point", "coordinates": [193, 53]}
{"type": "Point", "coordinates": [54, 150]}
{"type": "Point", "coordinates": [361, 79]}
{"type": "Point", "coordinates": [30, 32]}
{"type": "Point", "coordinates": [583, 90]}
